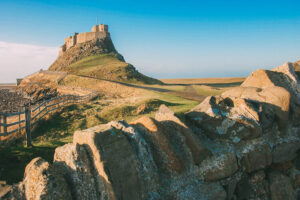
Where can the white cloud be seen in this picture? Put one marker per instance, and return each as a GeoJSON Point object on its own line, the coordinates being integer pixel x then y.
{"type": "Point", "coordinates": [19, 60]}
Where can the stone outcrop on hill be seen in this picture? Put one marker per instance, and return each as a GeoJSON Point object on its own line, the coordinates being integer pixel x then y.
{"type": "Point", "coordinates": [80, 51]}
{"type": "Point", "coordinates": [243, 144]}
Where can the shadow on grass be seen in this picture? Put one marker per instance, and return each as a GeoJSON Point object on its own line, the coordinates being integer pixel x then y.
{"type": "Point", "coordinates": [47, 135]}
{"type": "Point", "coordinates": [232, 84]}
{"type": "Point", "coordinates": [14, 160]}
{"type": "Point", "coordinates": [58, 122]}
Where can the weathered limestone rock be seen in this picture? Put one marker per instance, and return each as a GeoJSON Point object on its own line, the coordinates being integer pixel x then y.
{"type": "Point", "coordinates": [286, 151]}
{"type": "Point", "coordinates": [254, 186]}
{"type": "Point", "coordinates": [272, 104]}
{"type": "Point", "coordinates": [42, 181]}
{"type": "Point", "coordinates": [265, 78]}
{"type": "Point", "coordinates": [256, 156]}
{"type": "Point", "coordinates": [76, 164]}
{"type": "Point", "coordinates": [210, 191]}
{"type": "Point", "coordinates": [227, 118]}
{"type": "Point", "coordinates": [4, 188]}
{"type": "Point", "coordinates": [281, 187]}
{"type": "Point", "coordinates": [288, 70]}
{"type": "Point", "coordinates": [166, 114]}
{"type": "Point", "coordinates": [15, 192]}
{"type": "Point", "coordinates": [162, 150]}
{"type": "Point", "coordinates": [218, 167]}
{"type": "Point", "coordinates": [195, 146]}
{"type": "Point", "coordinates": [283, 76]}
{"type": "Point", "coordinates": [117, 174]}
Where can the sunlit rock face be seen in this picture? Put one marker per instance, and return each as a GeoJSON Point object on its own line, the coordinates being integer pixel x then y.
{"type": "Point", "coordinates": [243, 144]}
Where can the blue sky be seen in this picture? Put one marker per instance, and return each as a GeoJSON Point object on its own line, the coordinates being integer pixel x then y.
{"type": "Point", "coordinates": [163, 39]}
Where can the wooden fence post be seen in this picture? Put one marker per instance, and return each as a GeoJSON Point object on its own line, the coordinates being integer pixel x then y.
{"type": "Point", "coordinates": [28, 125]}
{"type": "Point", "coordinates": [5, 123]}
{"type": "Point", "coordinates": [19, 122]}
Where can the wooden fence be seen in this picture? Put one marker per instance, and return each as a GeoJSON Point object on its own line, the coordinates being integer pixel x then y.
{"type": "Point", "coordinates": [16, 122]}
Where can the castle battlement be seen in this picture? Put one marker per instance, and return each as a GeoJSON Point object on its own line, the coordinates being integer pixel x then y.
{"type": "Point", "coordinates": [97, 32]}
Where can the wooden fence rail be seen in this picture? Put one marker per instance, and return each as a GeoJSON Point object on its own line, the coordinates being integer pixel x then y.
{"type": "Point", "coordinates": [15, 122]}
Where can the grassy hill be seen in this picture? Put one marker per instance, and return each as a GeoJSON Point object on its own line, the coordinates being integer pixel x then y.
{"type": "Point", "coordinates": [108, 67]}
{"type": "Point", "coordinates": [99, 59]}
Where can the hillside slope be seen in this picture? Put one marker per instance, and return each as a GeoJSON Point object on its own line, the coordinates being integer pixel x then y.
{"type": "Point", "coordinates": [99, 59]}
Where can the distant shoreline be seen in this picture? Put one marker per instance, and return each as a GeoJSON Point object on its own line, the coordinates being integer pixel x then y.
{"type": "Point", "coordinates": [8, 84]}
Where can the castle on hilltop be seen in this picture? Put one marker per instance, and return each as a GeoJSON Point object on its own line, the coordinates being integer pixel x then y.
{"type": "Point", "coordinates": [98, 32]}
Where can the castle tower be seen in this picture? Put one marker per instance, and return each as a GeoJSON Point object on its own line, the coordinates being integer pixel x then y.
{"type": "Point", "coordinates": [100, 28]}
{"type": "Point", "coordinates": [95, 28]}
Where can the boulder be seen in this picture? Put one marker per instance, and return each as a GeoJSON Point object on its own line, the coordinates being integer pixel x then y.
{"type": "Point", "coordinates": [117, 176]}
{"type": "Point", "coordinates": [164, 154]}
{"type": "Point", "coordinates": [273, 103]}
{"type": "Point", "coordinates": [76, 165]}
{"type": "Point", "coordinates": [281, 187]}
{"type": "Point", "coordinates": [283, 76]}
{"type": "Point", "coordinates": [227, 118]}
{"type": "Point", "coordinates": [195, 146]}
{"type": "Point", "coordinates": [4, 189]}
{"type": "Point", "coordinates": [254, 186]}
{"type": "Point", "coordinates": [43, 181]}
{"type": "Point", "coordinates": [166, 114]}
{"type": "Point", "coordinates": [255, 155]}
{"type": "Point", "coordinates": [286, 151]}
{"type": "Point", "coordinates": [218, 167]}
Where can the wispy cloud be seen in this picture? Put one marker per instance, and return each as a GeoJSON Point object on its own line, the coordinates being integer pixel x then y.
{"type": "Point", "coordinates": [19, 60]}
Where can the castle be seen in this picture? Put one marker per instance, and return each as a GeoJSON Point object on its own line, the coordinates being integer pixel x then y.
{"type": "Point", "coordinates": [98, 32]}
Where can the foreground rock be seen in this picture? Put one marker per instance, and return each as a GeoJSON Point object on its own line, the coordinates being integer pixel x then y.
{"type": "Point", "coordinates": [150, 159]}
{"type": "Point", "coordinates": [243, 144]}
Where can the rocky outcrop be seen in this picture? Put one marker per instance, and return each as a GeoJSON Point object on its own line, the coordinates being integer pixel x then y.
{"type": "Point", "coordinates": [296, 66]}
{"type": "Point", "coordinates": [82, 50]}
{"type": "Point", "coordinates": [148, 159]}
{"type": "Point", "coordinates": [243, 144]}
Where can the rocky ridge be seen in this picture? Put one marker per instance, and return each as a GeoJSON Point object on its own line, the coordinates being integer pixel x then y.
{"type": "Point", "coordinates": [243, 144]}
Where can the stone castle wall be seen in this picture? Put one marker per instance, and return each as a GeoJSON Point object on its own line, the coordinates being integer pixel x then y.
{"type": "Point", "coordinates": [98, 32]}
{"type": "Point", "coordinates": [70, 41]}
{"type": "Point", "coordinates": [88, 36]}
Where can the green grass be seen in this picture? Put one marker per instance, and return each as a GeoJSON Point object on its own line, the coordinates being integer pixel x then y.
{"type": "Point", "coordinates": [96, 61]}
{"type": "Point", "coordinates": [15, 158]}
{"type": "Point", "coordinates": [109, 67]}
{"type": "Point", "coordinates": [130, 112]}
{"type": "Point", "coordinates": [208, 91]}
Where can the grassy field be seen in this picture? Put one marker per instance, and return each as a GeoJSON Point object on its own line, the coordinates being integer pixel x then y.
{"type": "Point", "coordinates": [205, 81]}
{"type": "Point", "coordinates": [116, 101]}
